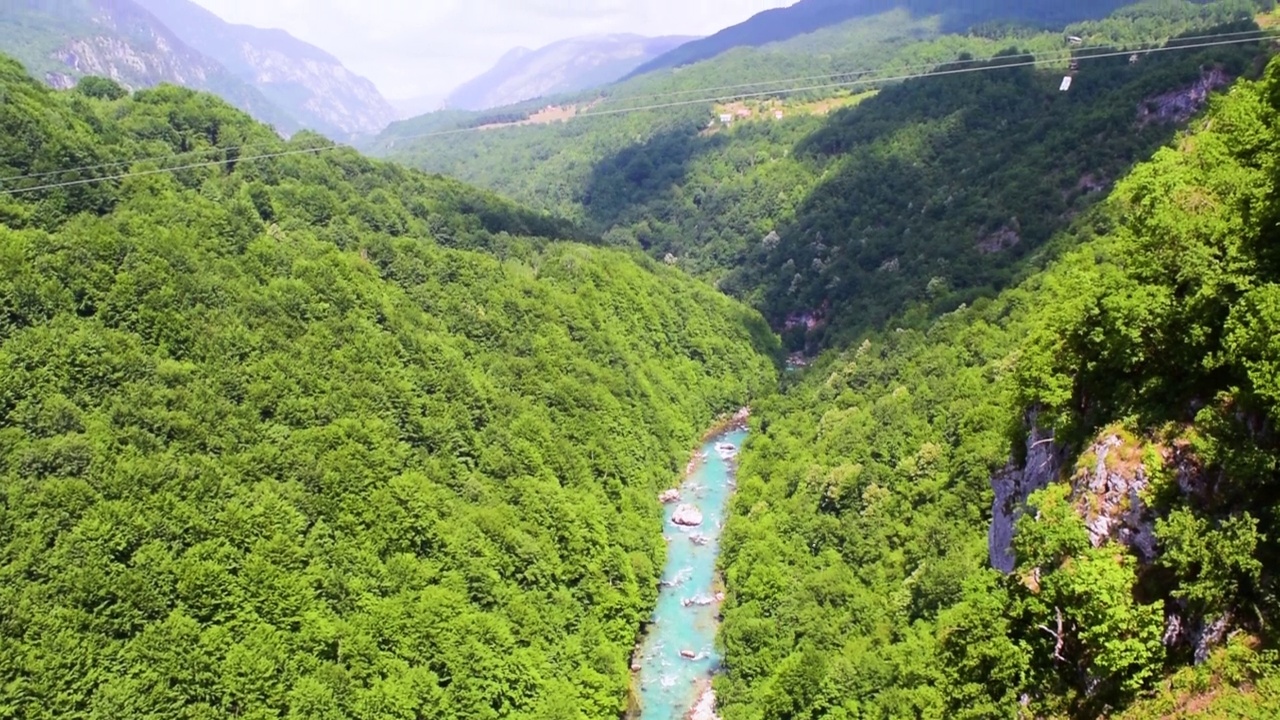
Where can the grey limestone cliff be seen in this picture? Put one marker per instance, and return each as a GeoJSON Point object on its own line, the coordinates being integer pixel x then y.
{"type": "Point", "coordinates": [1045, 460]}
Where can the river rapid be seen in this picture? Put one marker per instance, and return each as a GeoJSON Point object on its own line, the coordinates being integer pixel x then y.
{"type": "Point", "coordinates": [677, 658]}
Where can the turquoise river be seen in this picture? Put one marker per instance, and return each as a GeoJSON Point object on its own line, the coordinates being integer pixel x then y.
{"type": "Point", "coordinates": [677, 658]}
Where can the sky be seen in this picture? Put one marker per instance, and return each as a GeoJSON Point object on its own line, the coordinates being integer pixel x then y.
{"type": "Point", "coordinates": [413, 48]}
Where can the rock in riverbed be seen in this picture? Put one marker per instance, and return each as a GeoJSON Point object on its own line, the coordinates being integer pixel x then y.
{"type": "Point", "coordinates": [687, 515]}
{"type": "Point", "coordinates": [706, 707]}
{"type": "Point", "coordinates": [669, 496]}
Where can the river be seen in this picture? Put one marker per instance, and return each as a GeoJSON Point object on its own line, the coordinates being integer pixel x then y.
{"type": "Point", "coordinates": [685, 620]}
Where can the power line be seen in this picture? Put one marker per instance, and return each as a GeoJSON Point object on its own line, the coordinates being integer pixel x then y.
{"type": "Point", "coordinates": [856, 77]}
{"type": "Point", "coordinates": [1061, 54]}
{"type": "Point", "coordinates": [900, 78]}
{"type": "Point", "coordinates": [1035, 62]}
{"type": "Point", "coordinates": [103, 166]}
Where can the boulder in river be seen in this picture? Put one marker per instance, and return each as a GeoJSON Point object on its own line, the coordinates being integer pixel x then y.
{"type": "Point", "coordinates": [687, 515]}
{"type": "Point", "coordinates": [688, 654]}
{"type": "Point", "coordinates": [669, 496]}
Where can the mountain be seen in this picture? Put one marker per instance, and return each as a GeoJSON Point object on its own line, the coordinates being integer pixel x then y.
{"type": "Point", "coordinates": [318, 436]}
{"type": "Point", "coordinates": [561, 67]}
{"type": "Point", "coordinates": [413, 107]}
{"type": "Point", "coordinates": [302, 79]}
{"type": "Point", "coordinates": [60, 41]}
{"type": "Point", "coordinates": [1057, 503]}
{"type": "Point", "coordinates": [809, 16]}
{"type": "Point", "coordinates": [141, 43]}
{"type": "Point", "coordinates": [861, 201]}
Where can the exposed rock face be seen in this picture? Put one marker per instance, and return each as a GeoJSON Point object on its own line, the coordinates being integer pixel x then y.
{"type": "Point", "coordinates": [669, 496]}
{"type": "Point", "coordinates": [1013, 485]}
{"type": "Point", "coordinates": [142, 43]}
{"type": "Point", "coordinates": [688, 516]}
{"type": "Point", "coordinates": [1177, 106]}
{"type": "Point", "coordinates": [999, 241]}
{"type": "Point", "coordinates": [1108, 495]}
{"type": "Point", "coordinates": [305, 81]}
{"type": "Point", "coordinates": [121, 40]}
{"type": "Point", "coordinates": [59, 81]}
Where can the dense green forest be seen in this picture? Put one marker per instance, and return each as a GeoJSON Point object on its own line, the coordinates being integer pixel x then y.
{"type": "Point", "coordinates": [287, 432]}
{"type": "Point", "coordinates": [316, 436]}
{"type": "Point", "coordinates": [857, 554]}
{"type": "Point", "coordinates": [929, 194]}
{"type": "Point", "coordinates": [809, 16]}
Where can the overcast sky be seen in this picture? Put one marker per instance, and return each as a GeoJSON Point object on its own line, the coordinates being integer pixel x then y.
{"type": "Point", "coordinates": [427, 47]}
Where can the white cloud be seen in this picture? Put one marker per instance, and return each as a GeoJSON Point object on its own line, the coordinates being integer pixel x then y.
{"type": "Point", "coordinates": [421, 47]}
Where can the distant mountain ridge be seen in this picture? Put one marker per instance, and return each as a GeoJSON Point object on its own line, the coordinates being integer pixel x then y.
{"type": "Point", "coordinates": [809, 16]}
{"type": "Point", "coordinates": [304, 80]}
{"type": "Point", "coordinates": [561, 67]}
{"type": "Point", "coordinates": [275, 77]}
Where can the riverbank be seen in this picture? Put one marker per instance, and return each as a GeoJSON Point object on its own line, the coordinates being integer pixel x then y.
{"type": "Point", "coordinates": [728, 423]}
{"type": "Point", "coordinates": [705, 709]}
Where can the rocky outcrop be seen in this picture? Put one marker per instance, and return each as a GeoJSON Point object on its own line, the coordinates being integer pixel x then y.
{"type": "Point", "coordinates": [1177, 106]}
{"type": "Point", "coordinates": [688, 516]}
{"type": "Point", "coordinates": [1003, 239]}
{"type": "Point", "coordinates": [320, 92]}
{"type": "Point", "coordinates": [1045, 460]}
{"type": "Point", "coordinates": [1108, 490]}
{"type": "Point", "coordinates": [121, 40]}
{"type": "Point", "coordinates": [669, 496]}
{"type": "Point", "coordinates": [59, 81]}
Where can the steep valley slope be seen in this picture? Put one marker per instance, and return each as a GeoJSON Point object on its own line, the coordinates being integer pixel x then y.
{"type": "Point", "coordinates": [317, 436]}
{"type": "Point", "coordinates": [275, 77]}
{"type": "Point", "coordinates": [1119, 407]}
{"type": "Point", "coordinates": [923, 196]}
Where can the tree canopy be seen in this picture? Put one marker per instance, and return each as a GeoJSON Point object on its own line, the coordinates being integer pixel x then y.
{"type": "Point", "coordinates": [857, 553]}
{"type": "Point", "coordinates": [314, 436]}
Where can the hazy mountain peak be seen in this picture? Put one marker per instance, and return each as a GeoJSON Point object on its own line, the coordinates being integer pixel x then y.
{"type": "Point", "coordinates": [120, 39]}
{"type": "Point", "coordinates": [305, 80]}
{"type": "Point", "coordinates": [564, 66]}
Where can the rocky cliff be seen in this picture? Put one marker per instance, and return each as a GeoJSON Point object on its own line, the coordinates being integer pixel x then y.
{"type": "Point", "coordinates": [1111, 488]}
{"type": "Point", "coordinates": [141, 43]}
{"type": "Point", "coordinates": [302, 79]}
{"type": "Point", "coordinates": [62, 42]}
{"type": "Point", "coordinates": [1044, 463]}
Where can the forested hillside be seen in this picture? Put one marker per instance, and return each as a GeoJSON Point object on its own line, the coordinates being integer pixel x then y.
{"type": "Point", "coordinates": [928, 194]}
{"type": "Point", "coordinates": [315, 436]}
{"type": "Point", "coordinates": [1127, 394]}
{"type": "Point", "coordinates": [809, 16]}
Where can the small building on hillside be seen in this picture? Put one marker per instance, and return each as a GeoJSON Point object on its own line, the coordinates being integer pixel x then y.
{"type": "Point", "coordinates": [726, 118]}
{"type": "Point", "coordinates": [777, 114]}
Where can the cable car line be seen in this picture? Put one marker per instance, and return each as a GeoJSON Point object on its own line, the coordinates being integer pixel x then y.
{"type": "Point", "coordinates": [1073, 56]}
{"type": "Point", "coordinates": [987, 67]}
